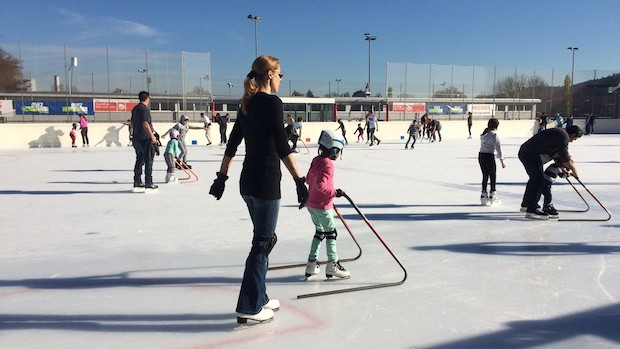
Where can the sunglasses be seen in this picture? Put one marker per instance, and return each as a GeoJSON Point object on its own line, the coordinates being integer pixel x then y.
{"type": "Point", "coordinates": [280, 74]}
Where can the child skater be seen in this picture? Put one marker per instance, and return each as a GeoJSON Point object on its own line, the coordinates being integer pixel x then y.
{"type": "Point", "coordinates": [413, 131]}
{"type": "Point", "coordinates": [343, 130]}
{"type": "Point", "coordinates": [171, 155]}
{"type": "Point", "coordinates": [72, 134]}
{"type": "Point", "coordinates": [360, 133]}
{"type": "Point", "coordinates": [489, 146]}
{"type": "Point", "coordinates": [552, 172]}
{"type": "Point", "coordinates": [321, 195]}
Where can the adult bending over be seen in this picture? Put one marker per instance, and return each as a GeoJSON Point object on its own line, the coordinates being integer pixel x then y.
{"type": "Point", "coordinates": [546, 145]}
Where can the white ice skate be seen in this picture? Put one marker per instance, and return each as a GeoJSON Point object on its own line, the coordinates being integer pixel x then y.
{"type": "Point", "coordinates": [264, 315]}
{"type": "Point", "coordinates": [335, 269]}
{"type": "Point", "coordinates": [273, 304]}
{"type": "Point", "coordinates": [494, 199]}
{"type": "Point", "coordinates": [484, 199]}
{"type": "Point", "coordinates": [312, 268]}
{"type": "Point", "coordinates": [170, 178]}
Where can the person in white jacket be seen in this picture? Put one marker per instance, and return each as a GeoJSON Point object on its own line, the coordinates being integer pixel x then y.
{"type": "Point", "coordinates": [490, 145]}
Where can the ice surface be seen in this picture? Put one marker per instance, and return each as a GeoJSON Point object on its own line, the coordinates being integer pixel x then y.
{"type": "Point", "coordinates": [88, 264]}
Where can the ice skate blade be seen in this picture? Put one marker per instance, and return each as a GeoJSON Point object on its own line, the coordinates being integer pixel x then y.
{"type": "Point", "coordinates": [335, 277]}
{"type": "Point", "coordinates": [536, 217]}
{"type": "Point", "coordinates": [246, 324]}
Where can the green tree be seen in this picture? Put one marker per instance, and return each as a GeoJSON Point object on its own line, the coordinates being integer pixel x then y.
{"type": "Point", "coordinates": [10, 72]}
{"type": "Point", "coordinates": [567, 87]}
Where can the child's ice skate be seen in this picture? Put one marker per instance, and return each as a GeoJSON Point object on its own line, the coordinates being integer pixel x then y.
{"type": "Point", "coordinates": [312, 268]}
{"type": "Point", "coordinates": [494, 199]}
{"type": "Point", "coordinates": [335, 269]}
{"type": "Point", "coordinates": [551, 211]}
{"type": "Point", "coordinates": [484, 199]}
{"type": "Point", "coordinates": [170, 178]}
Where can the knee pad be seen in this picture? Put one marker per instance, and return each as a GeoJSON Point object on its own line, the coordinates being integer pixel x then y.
{"type": "Point", "coordinates": [331, 235]}
{"type": "Point", "coordinates": [264, 245]}
{"type": "Point", "coordinates": [319, 235]}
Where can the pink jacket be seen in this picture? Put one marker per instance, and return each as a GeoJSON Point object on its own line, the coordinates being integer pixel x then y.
{"type": "Point", "coordinates": [320, 181]}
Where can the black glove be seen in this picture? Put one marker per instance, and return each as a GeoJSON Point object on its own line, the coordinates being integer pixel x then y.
{"type": "Point", "coordinates": [217, 188]}
{"type": "Point", "coordinates": [339, 193]}
{"type": "Point", "coordinates": [302, 191]}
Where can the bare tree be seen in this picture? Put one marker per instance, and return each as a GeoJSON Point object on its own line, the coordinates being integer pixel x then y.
{"type": "Point", "coordinates": [10, 72]}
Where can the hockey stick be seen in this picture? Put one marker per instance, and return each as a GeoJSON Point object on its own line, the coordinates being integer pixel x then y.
{"type": "Point", "coordinates": [582, 199]}
{"type": "Point", "coordinates": [597, 201]}
{"type": "Point", "coordinates": [359, 254]}
{"type": "Point", "coordinates": [191, 176]}
{"type": "Point", "coordinates": [362, 288]}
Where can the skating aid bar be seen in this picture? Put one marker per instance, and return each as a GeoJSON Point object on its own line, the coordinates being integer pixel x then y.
{"type": "Point", "coordinates": [191, 176]}
{"type": "Point", "coordinates": [581, 196]}
{"type": "Point", "coordinates": [305, 146]}
{"type": "Point", "coordinates": [597, 201]}
{"type": "Point", "coordinates": [298, 265]}
{"type": "Point", "coordinates": [369, 287]}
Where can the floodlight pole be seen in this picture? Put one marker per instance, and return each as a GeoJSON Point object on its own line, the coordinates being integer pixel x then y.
{"type": "Point", "coordinates": [572, 82]}
{"type": "Point", "coordinates": [369, 38]}
{"type": "Point", "coordinates": [256, 19]}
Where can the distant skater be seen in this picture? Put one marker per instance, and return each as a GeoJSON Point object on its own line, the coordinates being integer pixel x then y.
{"type": "Point", "coordinates": [343, 130]}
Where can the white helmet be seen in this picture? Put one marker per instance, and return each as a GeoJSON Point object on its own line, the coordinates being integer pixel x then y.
{"type": "Point", "coordinates": [174, 134]}
{"type": "Point", "coordinates": [331, 141]}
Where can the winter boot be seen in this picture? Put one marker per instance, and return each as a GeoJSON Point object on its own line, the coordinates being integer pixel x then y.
{"type": "Point", "coordinates": [312, 268]}
{"type": "Point", "coordinates": [335, 269]}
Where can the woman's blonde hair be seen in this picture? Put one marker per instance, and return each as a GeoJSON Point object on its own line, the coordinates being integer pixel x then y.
{"type": "Point", "coordinates": [256, 77]}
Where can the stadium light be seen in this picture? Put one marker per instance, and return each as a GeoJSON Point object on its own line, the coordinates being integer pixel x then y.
{"type": "Point", "coordinates": [369, 38]}
{"type": "Point", "coordinates": [256, 19]}
{"type": "Point", "coordinates": [572, 82]}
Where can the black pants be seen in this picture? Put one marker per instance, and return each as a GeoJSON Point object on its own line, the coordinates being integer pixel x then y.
{"type": "Point", "coordinates": [533, 190]}
{"type": "Point", "coordinates": [489, 170]}
{"type": "Point", "coordinates": [84, 133]}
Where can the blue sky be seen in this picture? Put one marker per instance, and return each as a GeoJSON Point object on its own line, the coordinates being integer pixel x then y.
{"type": "Point", "coordinates": [324, 40]}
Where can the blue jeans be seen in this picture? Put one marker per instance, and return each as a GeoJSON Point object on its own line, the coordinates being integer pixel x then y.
{"type": "Point", "coordinates": [264, 215]}
{"type": "Point", "coordinates": [144, 157]}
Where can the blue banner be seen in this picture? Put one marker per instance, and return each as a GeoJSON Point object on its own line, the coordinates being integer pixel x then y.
{"type": "Point", "coordinates": [53, 107]}
{"type": "Point", "coordinates": [446, 109]}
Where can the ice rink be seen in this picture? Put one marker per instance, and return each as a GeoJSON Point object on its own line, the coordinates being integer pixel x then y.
{"type": "Point", "coordinates": [86, 263]}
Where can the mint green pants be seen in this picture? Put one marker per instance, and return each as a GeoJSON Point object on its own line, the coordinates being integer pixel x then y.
{"type": "Point", "coordinates": [325, 229]}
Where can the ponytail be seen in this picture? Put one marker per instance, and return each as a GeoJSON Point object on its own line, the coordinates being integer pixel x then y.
{"type": "Point", "coordinates": [256, 76]}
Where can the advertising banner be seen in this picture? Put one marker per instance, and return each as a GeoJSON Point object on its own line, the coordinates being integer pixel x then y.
{"type": "Point", "coordinates": [114, 105]}
{"type": "Point", "coordinates": [52, 107]}
{"type": "Point", "coordinates": [409, 107]}
{"type": "Point", "coordinates": [445, 109]}
{"type": "Point", "coordinates": [481, 109]}
{"type": "Point", "coordinates": [6, 107]}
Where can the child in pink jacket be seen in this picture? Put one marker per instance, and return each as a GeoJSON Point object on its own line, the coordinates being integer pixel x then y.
{"type": "Point", "coordinates": [321, 195]}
